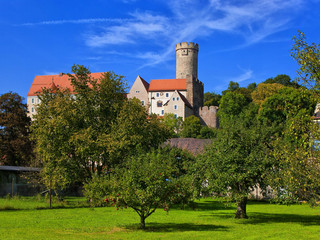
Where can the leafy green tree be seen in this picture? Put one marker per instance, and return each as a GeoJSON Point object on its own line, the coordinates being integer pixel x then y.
{"type": "Point", "coordinates": [286, 103]}
{"type": "Point", "coordinates": [191, 127]}
{"type": "Point", "coordinates": [173, 123]}
{"type": "Point", "coordinates": [15, 144]}
{"type": "Point", "coordinates": [236, 160]}
{"type": "Point", "coordinates": [308, 58]}
{"type": "Point", "coordinates": [211, 99]}
{"type": "Point", "coordinates": [85, 135]}
{"type": "Point", "coordinates": [263, 91]}
{"type": "Point", "coordinates": [133, 127]}
{"type": "Point", "coordinates": [296, 173]}
{"type": "Point", "coordinates": [282, 79]}
{"type": "Point", "coordinates": [231, 104]}
{"type": "Point", "coordinates": [147, 182]}
{"type": "Point", "coordinates": [207, 132]}
{"type": "Point", "coordinates": [252, 86]}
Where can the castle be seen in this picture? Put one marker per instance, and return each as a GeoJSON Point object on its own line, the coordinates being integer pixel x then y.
{"type": "Point", "coordinates": [182, 96]}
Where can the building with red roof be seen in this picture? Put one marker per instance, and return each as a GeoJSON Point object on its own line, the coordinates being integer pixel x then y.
{"type": "Point", "coordinates": [49, 82]}
{"type": "Point", "coordinates": [182, 96]}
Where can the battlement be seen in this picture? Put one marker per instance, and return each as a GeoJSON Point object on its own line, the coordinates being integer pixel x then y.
{"type": "Point", "coordinates": [210, 108]}
{"type": "Point", "coordinates": [189, 45]}
{"type": "Point", "coordinates": [208, 116]}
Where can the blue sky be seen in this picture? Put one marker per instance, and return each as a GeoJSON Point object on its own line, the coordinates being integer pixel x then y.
{"type": "Point", "coordinates": [240, 40]}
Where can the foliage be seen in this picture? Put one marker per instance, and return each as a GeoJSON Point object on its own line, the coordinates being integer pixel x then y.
{"type": "Point", "coordinates": [149, 181]}
{"type": "Point", "coordinates": [191, 127]}
{"type": "Point", "coordinates": [296, 173]}
{"type": "Point", "coordinates": [308, 58]}
{"type": "Point", "coordinates": [131, 129]}
{"type": "Point", "coordinates": [211, 99]}
{"type": "Point", "coordinates": [173, 123]}
{"type": "Point", "coordinates": [282, 79]}
{"type": "Point", "coordinates": [79, 136]}
{"type": "Point", "coordinates": [15, 145]}
{"type": "Point", "coordinates": [287, 102]}
{"type": "Point", "coordinates": [252, 86]}
{"type": "Point", "coordinates": [231, 104]}
{"type": "Point", "coordinates": [233, 86]}
{"type": "Point", "coordinates": [237, 159]}
{"type": "Point", "coordinates": [96, 189]}
{"type": "Point", "coordinates": [207, 132]}
{"type": "Point", "coordinates": [263, 91]}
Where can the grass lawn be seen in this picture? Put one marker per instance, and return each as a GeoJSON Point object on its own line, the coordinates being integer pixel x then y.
{"type": "Point", "coordinates": [28, 218]}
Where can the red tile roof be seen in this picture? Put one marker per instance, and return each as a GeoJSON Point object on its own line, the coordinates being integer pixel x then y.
{"type": "Point", "coordinates": [55, 81]}
{"type": "Point", "coordinates": [167, 85]}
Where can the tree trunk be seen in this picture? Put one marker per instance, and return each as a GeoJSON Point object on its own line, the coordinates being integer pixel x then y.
{"type": "Point", "coordinates": [142, 221]}
{"type": "Point", "coordinates": [242, 208]}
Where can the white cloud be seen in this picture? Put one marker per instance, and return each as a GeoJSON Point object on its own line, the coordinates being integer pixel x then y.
{"type": "Point", "coordinates": [50, 73]}
{"type": "Point", "coordinates": [142, 25]}
{"type": "Point", "coordinates": [247, 75]}
{"type": "Point", "coordinates": [77, 21]}
{"type": "Point", "coordinates": [252, 20]}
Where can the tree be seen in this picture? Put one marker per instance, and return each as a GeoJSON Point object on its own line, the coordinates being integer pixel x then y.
{"type": "Point", "coordinates": [173, 123]}
{"type": "Point", "coordinates": [85, 135]}
{"type": "Point", "coordinates": [191, 127]}
{"type": "Point", "coordinates": [282, 79]}
{"type": "Point", "coordinates": [133, 127]}
{"type": "Point", "coordinates": [211, 99]}
{"type": "Point", "coordinates": [148, 181]}
{"type": "Point", "coordinates": [252, 86]}
{"type": "Point", "coordinates": [15, 144]}
{"type": "Point", "coordinates": [231, 104]}
{"type": "Point", "coordinates": [236, 160]}
{"type": "Point", "coordinates": [263, 91]}
{"type": "Point", "coordinates": [286, 103]}
{"type": "Point", "coordinates": [295, 175]}
{"type": "Point", "coordinates": [308, 58]}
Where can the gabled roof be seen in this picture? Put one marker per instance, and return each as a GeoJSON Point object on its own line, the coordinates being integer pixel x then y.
{"type": "Point", "coordinates": [183, 98]}
{"type": "Point", "coordinates": [167, 85]}
{"type": "Point", "coordinates": [145, 83]}
{"type": "Point", "coordinates": [54, 81]}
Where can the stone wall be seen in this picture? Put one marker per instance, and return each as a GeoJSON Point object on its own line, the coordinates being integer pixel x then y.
{"type": "Point", "coordinates": [186, 60]}
{"type": "Point", "coordinates": [208, 116]}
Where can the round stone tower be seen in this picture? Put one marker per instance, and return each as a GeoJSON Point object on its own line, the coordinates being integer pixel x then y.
{"type": "Point", "coordinates": [187, 60]}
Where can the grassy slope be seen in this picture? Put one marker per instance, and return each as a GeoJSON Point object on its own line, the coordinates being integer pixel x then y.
{"type": "Point", "coordinates": [211, 220]}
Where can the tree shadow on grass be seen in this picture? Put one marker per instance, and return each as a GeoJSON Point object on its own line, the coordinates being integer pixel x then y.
{"type": "Point", "coordinates": [205, 206]}
{"type": "Point", "coordinates": [265, 218]}
{"type": "Point", "coordinates": [177, 227]}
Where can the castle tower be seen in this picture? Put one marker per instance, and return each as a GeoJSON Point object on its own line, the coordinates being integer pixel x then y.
{"type": "Point", "coordinates": [187, 60]}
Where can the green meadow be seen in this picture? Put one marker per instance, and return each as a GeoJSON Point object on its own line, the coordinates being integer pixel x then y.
{"type": "Point", "coordinates": [31, 218]}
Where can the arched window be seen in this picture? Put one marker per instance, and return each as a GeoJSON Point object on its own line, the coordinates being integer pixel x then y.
{"type": "Point", "coordinates": [159, 104]}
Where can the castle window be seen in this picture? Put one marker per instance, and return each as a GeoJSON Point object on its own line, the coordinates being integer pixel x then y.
{"type": "Point", "coordinates": [137, 91]}
{"type": "Point", "coordinates": [178, 98]}
{"type": "Point", "coordinates": [32, 100]}
{"type": "Point", "coordinates": [32, 109]}
{"type": "Point", "coordinates": [175, 107]}
{"type": "Point", "coordinates": [38, 100]}
{"type": "Point", "coordinates": [173, 99]}
{"type": "Point", "coordinates": [162, 112]}
{"type": "Point", "coordinates": [176, 116]}
{"type": "Point", "coordinates": [158, 94]}
{"type": "Point", "coordinates": [167, 94]}
{"type": "Point", "coordinates": [159, 104]}
{"type": "Point", "coordinates": [142, 102]}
